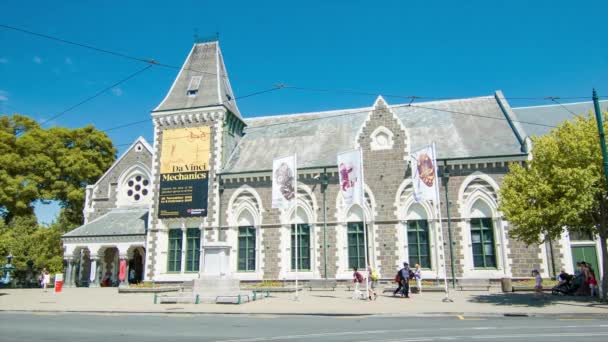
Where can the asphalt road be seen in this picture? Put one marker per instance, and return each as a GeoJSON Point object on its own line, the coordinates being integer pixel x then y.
{"type": "Point", "coordinates": [184, 327]}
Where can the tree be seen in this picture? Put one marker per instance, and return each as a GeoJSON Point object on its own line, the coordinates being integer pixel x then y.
{"type": "Point", "coordinates": [562, 187]}
{"type": "Point", "coordinates": [49, 164]}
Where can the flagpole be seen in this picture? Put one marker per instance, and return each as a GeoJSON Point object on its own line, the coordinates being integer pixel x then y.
{"type": "Point", "coordinates": [295, 216]}
{"type": "Point", "coordinates": [364, 225]}
{"type": "Point", "coordinates": [437, 201]}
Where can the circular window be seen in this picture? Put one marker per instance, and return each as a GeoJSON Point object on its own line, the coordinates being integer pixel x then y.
{"type": "Point", "coordinates": [137, 188]}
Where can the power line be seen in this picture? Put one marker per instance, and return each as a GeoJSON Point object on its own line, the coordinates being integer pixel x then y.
{"type": "Point", "coordinates": [129, 124]}
{"type": "Point", "coordinates": [86, 46]}
{"type": "Point", "coordinates": [99, 93]}
{"type": "Point", "coordinates": [554, 99]}
{"type": "Point", "coordinates": [481, 116]}
{"type": "Point", "coordinates": [344, 91]}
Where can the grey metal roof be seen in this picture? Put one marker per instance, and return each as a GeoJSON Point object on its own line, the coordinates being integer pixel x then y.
{"type": "Point", "coordinates": [463, 128]}
{"type": "Point", "coordinates": [205, 60]}
{"type": "Point", "coordinates": [460, 128]}
{"type": "Point", "coordinates": [315, 137]}
{"type": "Point", "coordinates": [115, 222]}
{"type": "Point", "coordinates": [537, 120]}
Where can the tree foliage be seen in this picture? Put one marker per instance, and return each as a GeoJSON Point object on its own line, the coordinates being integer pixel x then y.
{"type": "Point", "coordinates": [49, 164]}
{"type": "Point", "coordinates": [562, 187]}
{"type": "Point", "coordinates": [38, 164]}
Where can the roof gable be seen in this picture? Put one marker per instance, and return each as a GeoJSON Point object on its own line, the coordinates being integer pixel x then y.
{"type": "Point", "coordinates": [201, 82]}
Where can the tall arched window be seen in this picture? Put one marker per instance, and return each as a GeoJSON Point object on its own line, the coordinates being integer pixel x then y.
{"type": "Point", "coordinates": [246, 242]}
{"type": "Point", "coordinates": [482, 236]}
{"type": "Point", "coordinates": [419, 251]}
{"type": "Point", "coordinates": [355, 238]}
{"type": "Point", "coordinates": [302, 233]}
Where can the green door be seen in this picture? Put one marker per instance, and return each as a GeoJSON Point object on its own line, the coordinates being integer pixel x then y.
{"type": "Point", "coordinates": [587, 254]}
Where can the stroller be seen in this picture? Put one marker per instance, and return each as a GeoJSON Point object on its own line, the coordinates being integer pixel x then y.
{"type": "Point", "coordinates": [567, 287]}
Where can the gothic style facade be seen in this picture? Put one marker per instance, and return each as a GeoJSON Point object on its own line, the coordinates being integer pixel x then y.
{"type": "Point", "coordinates": [241, 234]}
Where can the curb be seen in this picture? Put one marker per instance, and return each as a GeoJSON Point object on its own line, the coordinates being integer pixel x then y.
{"type": "Point", "coordinates": [325, 314]}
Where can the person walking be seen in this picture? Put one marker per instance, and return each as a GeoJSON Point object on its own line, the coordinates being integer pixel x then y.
{"type": "Point", "coordinates": [46, 278]}
{"type": "Point", "coordinates": [538, 283]}
{"type": "Point", "coordinates": [372, 279]}
{"type": "Point", "coordinates": [357, 280]}
{"type": "Point", "coordinates": [418, 277]}
{"type": "Point", "coordinates": [404, 281]}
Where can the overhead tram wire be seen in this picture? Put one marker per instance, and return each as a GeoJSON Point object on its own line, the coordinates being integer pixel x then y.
{"type": "Point", "coordinates": [344, 91]}
{"type": "Point", "coordinates": [129, 124]}
{"type": "Point", "coordinates": [554, 99]}
{"type": "Point", "coordinates": [99, 93]}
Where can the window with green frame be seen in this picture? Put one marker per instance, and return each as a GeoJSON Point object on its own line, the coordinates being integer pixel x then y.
{"type": "Point", "coordinates": [482, 241]}
{"type": "Point", "coordinates": [174, 255]}
{"type": "Point", "coordinates": [246, 255]}
{"type": "Point", "coordinates": [356, 249]}
{"type": "Point", "coordinates": [303, 247]}
{"type": "Point", "coordinates": [193, 249]}
{"type": "Point", "coordinates": [418, 243]}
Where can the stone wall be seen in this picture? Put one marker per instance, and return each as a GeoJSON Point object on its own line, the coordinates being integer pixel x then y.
{"type": "Point", "coordinates": [105, 191]}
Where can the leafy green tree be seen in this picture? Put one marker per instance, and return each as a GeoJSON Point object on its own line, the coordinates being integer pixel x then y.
{"type": "Point", "coordinates": [49, 164]}
{"type": "Point", "coordinates": [38, 164]}
{"type": "Point", "coordinates": [562, 187]}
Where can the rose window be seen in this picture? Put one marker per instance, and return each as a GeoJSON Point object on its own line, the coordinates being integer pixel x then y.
{"type": "Point", "coordinates": [137, 187]}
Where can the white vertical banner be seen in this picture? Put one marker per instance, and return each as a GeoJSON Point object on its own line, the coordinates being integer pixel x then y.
{"type": "Point", "coordinates": [284, 174]}
{"type": "Point", "coordinates": [350, 168]}
{"type": "Point", "coordinates": [93, 272]}
{"type": "Point", "coordinates": [424, 174]}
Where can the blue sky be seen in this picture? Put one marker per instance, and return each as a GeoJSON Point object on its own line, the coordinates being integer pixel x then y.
{"type": "Point", "coordinates": [422, 48]}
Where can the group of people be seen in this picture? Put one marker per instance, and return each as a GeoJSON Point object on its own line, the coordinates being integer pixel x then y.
{"type": "Point", "coordinates": [402, 278]}
{"type": "Point", "coordinates": [584, 279]}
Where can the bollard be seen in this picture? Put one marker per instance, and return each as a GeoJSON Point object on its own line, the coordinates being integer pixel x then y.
{"type": "Point", "coordinates": [255, 296]}
{"type": "Point", "coordinates": [238, 300]}
{"type": "Point", "coordinates": [197, 301]}
{"type": "Point", "coordinates": [155, 298]}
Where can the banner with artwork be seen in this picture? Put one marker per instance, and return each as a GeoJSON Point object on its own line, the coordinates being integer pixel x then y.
{"type": "Point", "coordinates": [350, 169]}
{"type": "Point", "coordinates": [284, 175]}
{"type": "Point", "coordinates": [424, 174]}
{"type": "Point", "coordinates": [184, 172]}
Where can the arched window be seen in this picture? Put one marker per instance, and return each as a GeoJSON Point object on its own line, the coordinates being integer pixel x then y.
{"type": "Point", "coordinates": [418, 236]}
{"type": "Point", "coordinates": [302, 234]}
{"type": "Point", "coordinates": [482, 236]}
{"type": "Point", "coordinates": [355, 238]}
{"type": "Point", "coordinates": [246, 242]}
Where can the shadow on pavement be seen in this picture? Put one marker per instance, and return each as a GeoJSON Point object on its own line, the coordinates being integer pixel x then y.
{"type": "Point", "coordinates": [531, 300]}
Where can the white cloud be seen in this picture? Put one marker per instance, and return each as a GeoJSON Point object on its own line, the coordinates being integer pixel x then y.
{"type": "Point", "coordinates": [3, 60]}
{"type": "Point", "coordinates": [117, 91]}
{"type": "Point", "coordinates": [3, 96]}
{"type": "Point", "coordinates": [37, 60]}
{"type": "Point", "coordinates": [68, 61]}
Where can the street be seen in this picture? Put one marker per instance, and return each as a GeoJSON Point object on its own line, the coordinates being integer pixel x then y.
{"type": "Point", "coordinates": [241, 328]}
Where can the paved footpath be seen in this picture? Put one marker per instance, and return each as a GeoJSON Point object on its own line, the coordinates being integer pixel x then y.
{"type": "Point", "coordinates": [310, 303]}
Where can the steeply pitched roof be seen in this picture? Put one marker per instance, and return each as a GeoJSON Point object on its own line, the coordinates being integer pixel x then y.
{"type": "Point", "coordinates": [115, 222]}
{"type": "Point", "coordinates": [537, 120]}
{"type": "Point", "coordinates": [201, 82]}
{"type": "Point", "coordinates": [460, 128]}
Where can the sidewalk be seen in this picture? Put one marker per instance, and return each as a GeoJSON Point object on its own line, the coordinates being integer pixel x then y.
{"type": "Point", "coordinates": [97, 300]}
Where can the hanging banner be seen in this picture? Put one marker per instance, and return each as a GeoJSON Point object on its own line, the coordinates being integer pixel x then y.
{"type": "Point", "coordinates": [350, 169]}
{"type": "Point", "coordinates": [424, 174]}
{"type": "Point", "coordinates": [284, 174]}
{"type": "Point", "coordinates": [93, 272]}
{"type": "Point", "coordinates": [184, 172]}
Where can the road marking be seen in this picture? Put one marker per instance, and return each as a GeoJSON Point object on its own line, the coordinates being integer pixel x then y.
{"type": "Point", "coordinates": [576, 319]}
{"type": "Point", "coordinates": [396, 331]}
{"type": "Point", "coordinates": [462, 318]}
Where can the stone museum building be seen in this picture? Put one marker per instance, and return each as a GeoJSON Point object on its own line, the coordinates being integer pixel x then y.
{"type": "Point", "coordinates": [197, 199]}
